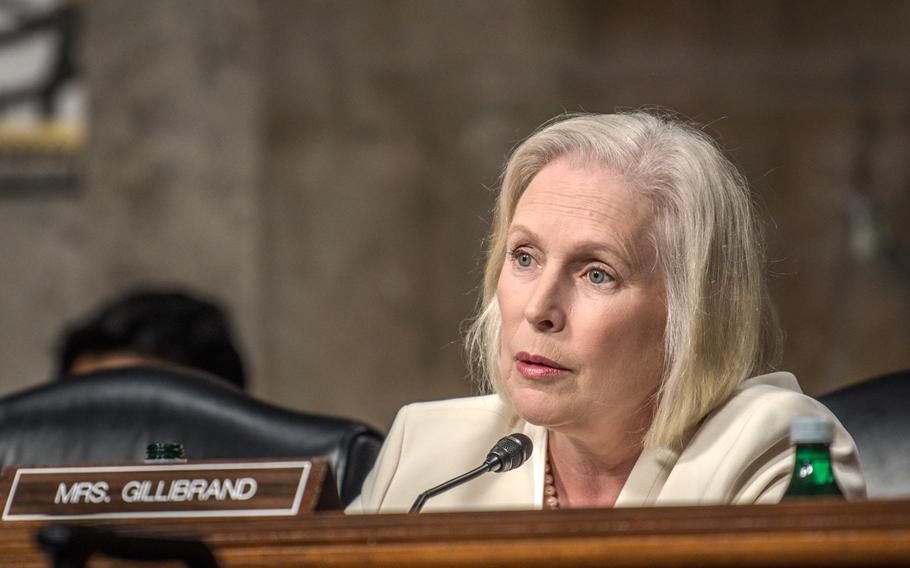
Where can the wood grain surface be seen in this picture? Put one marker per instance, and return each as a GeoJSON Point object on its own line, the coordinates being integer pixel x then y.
{"type": "Point", "coordinates": [869, 533]}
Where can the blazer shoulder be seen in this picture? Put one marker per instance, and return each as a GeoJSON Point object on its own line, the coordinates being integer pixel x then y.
{"type": "Point", "coordinates": [759, 413]}
{"type": "Point", "coordinates": [462, 422]}
{"type": "Point", "coordinates": [430, 442]}
{"type": "Point", "coordinates": [741, 451]}
{"type": "Point", "coordinates": [492, 405]}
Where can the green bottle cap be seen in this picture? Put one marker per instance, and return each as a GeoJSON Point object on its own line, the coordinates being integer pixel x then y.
{"type": "Point", "coordinates": [811, 430]}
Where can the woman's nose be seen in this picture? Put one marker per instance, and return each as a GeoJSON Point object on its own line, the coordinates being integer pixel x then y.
{"type": "Point", "coordinates": [545, 310]}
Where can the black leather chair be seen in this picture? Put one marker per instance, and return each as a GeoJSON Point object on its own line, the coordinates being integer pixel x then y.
{"type": "Point", "coordinates": [111, 416]}
{"type": "Point", "coordinates": [877, 413]}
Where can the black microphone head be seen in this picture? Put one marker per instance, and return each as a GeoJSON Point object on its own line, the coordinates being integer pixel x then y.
{"type": "Point", "coordinates": [509, 452]}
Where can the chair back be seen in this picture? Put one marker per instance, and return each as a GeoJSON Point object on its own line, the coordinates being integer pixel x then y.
{"type": "Point", "coordinates": [112, 415]}
{"type": "Point", "coordinates": [876, 412]}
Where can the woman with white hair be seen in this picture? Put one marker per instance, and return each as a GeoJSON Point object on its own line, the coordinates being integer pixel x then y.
{"type": "Point", "coordinates": [625, 328]}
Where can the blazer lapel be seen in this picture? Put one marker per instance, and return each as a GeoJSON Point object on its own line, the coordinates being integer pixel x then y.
{"type": "Point", "coordinates": [647, 478]}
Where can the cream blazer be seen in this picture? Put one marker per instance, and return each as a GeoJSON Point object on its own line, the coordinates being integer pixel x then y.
{"type": "Point", "coordinates": [740, 453]}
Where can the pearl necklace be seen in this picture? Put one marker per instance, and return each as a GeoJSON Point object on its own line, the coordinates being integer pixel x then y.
{"type": "Point", "coordinates": [550, 499]}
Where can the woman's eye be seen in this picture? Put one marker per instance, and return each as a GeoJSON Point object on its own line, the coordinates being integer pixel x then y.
{"type": "Point", "coordinates": [598, 276]}
{"type": "Point", "coordinates": [524, 259]}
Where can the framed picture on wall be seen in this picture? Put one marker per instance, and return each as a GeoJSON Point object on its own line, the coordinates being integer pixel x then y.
{"type": "Point", "coordinates": [42, 100]}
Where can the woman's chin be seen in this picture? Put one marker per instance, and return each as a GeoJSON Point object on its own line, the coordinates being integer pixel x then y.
{"type": "Point", "coordinates": [537, 408]}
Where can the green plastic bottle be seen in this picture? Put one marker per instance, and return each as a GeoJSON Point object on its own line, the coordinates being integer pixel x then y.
{"type": "Point", "coordinates": [164, 453]}
{"type": "Point", "coordinates": [812, 475]}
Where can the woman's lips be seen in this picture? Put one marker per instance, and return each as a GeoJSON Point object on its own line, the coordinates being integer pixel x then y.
{"type": "Point", "coordinates": [537, 367]}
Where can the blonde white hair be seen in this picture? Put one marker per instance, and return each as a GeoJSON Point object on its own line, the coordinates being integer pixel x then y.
{"type": "Point", "coordinates": [721, 327]}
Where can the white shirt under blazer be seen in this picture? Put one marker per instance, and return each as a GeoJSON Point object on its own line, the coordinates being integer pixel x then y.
{"type": "Point", "coordinates": [739, 454]}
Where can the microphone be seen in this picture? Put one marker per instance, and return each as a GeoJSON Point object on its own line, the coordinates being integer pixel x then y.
{"type": "Point", "coordinates": [508, 454]}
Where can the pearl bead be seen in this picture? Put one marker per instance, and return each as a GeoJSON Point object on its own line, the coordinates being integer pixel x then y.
{"type": "Point", "coordinates": [551, 501]}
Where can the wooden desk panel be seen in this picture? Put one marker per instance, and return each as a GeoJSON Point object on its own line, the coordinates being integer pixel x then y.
{"type": "Point", "coordinates": [870, 533]}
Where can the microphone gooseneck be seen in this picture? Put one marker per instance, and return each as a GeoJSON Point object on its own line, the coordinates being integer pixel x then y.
{"type": "Point", "coordinates": [508, 454]}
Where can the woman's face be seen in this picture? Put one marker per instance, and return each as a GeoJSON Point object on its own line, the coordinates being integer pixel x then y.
{"type": "Point", "coordinates": [582, 303]}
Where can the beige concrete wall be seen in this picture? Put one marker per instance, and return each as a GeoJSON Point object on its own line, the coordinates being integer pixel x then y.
{"type": "Point", "coordinates": [172, 177]}
{"type": "Point", "coordinates": [42, 246]}
{"type": "Point", "coordinates": [323, 167]}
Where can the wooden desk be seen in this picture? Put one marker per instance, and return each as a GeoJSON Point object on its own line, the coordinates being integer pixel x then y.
{"type": "Point", "coordinates": [870, 533]}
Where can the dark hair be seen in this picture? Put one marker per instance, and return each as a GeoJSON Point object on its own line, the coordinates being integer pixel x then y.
{"type": "Point", "coordinates": [168, 325]}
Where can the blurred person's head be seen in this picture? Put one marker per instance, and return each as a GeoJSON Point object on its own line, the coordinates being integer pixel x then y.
{"type": "Point", "coordinates": [152, 328]}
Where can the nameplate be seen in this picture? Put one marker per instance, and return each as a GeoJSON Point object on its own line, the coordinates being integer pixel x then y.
{"type": "Point", "coordinates": [198, 489]}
